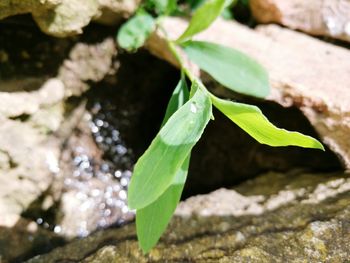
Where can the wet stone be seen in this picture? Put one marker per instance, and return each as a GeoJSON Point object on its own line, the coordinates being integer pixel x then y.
{"type": "Point", "coordinates": [122, 115]}
{"type": "Point", "coordinates": [95, 194]}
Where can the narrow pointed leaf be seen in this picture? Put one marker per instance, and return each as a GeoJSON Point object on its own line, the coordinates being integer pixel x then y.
{"type": "Point", "coordinates": [251, 119]}
{"type": "Point", "coordinates": [178, 98]}
{"type": "Point", "coordinates": [157, 167]}
{"type": "Point", "coordinates": [152, 220]}
{"type": "Point", "coordinates": [135, 31]}
{"type": "Point", "coordinates": [203, 18]}
{"type": "Point", "coordinates": [229, 67]}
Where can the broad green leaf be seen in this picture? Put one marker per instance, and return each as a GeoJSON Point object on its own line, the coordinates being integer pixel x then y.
{"type": "Point", "coordinates": [152, 220]}
{"type": "Point", "coordinates": [157, 167]}
{"type": "Point", "coordinates": [229, 67]}
{"type": "Point", "coordinates": [251, 120]}
{"type": "Point", "coordinates": [135, 31]}
{"type": "Point", "coordinates": [203, 18]}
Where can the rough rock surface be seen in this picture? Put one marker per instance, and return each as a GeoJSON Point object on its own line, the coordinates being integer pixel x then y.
{"type": "Point", "coordinates": [273, 218]}
{"type": "Point", "coordinates": [304, 72]}
{"type": "Point", "coordinates": [62, 18]}
{"type": "Point", "coordinates": [35, 120]}
{"type": "Point", "coordinates": [19, 242]}
{"type": "Point", "coordinates": [317, 17]}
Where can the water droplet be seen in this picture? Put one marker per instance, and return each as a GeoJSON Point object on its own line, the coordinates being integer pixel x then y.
{"type": "Point", "coordinates": [125, 209]}
{"type": "Point", "coordinates": [107, 212]}
{"type": "Point", "coordinates": [105, 167]}
{"type": "Point", "coordinates": [94, 129]}
{"type": "Point", "coordinates": [121, 149]}
{"type": "Point", "coordinates": [124, 181]}
{"type": "Point", "coordinates": [99, 123]}
{"type": "Point", "coordinates": [84, 165]}
{"type": "Point", "coordinates": [110, 201]}
{"type": "Point", "coordinates": [116, 188]}
{"type": "Point", "coordinates": [122, 195]}
{"type": "Point", "coordinates": [95, 192]}
{"type": "Point", "coordinates": [118, 174]}
{"type": "Point", "coordinates": [193, 108]}
{"type": "Point", "coordinates": [57, 229]}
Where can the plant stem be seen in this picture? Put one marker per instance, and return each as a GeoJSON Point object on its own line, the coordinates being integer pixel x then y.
{"type": "Point", "coordinates": [173, 50]}
{"type": "Point", "coordinates": [185, 70]}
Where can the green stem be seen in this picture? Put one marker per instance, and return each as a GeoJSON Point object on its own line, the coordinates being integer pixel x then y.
{"type": "Point", "coordinates": [176, 54]}
{"type": "Point", "coordinates": [184, 70]}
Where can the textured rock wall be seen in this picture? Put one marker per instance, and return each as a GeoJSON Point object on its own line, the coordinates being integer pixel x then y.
{"type": "Point", "coordinates": [37, 78]}
{"type": "Point", "coordinates": [316, 17]}
{"type": "Point", "coordinates": [273, 218]}
{"type": "Point", "coordinates": [63, 18]}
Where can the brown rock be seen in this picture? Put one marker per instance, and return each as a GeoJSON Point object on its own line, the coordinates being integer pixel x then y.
{"type": "Point", "coordinates": [63, 18]}
{"type": "Point", "coordinates": [304, 72]}
{"type": "Point", "coordinates": [316, 17]}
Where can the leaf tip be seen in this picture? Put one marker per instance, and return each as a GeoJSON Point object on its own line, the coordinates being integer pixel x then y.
{"type": "Point", "coordinates": [319, 145]}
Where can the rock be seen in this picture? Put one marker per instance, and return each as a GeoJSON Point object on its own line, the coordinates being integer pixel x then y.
{"type": "Point", "coordinates": [114, 11]}
{"type": "Point", "coordinates": [321, 18]}
{"type": "Point", "coordinates": [36, 121]}
{"type": "Point", "coordinates": [19, 242]}
{"type": "Point", "coordinates": [304, 72]}
{"type": "Point", "coordinates": [275, 217]}
{"type": "Point", "coordinates": [63, 18]}
{"type": "Point", "coordinates": [86, 63]}
{"type": "Point", "coordinates": [28, 172]}
{"type": "Point", "coordinates": [50, 93]}
{"type": "Point", "coordinates": [100, 153]}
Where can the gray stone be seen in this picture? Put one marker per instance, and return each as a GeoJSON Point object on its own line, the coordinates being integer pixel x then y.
{"type": "Point", "coordinates": [293, 217]}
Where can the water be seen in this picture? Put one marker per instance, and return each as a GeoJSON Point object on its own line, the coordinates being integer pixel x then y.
{"type": "Point", "coordinates": [193, 108]}
{"type": "Point", "coordinates": [95, 193]}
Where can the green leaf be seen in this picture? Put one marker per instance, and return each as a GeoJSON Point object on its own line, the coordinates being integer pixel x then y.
{"type": "Point", "coordinates": [178, 98]}
{"type": "Point", "coordinates": [229, 67]}
{"type": "Point", "coordinates": [204, 16]}
{"type": "Point", "coordinates": [165, 7]}
{"type": "Point", "coordinates": [152, 220]}
{"type": "Point", "coordinates": [135, 31]}
{"type": "Point", "coordinates": [194, 4]}
{"type": "Point", "coordinates": [251, 120]}
{"type": "Point", "coordinates": [157, 167]}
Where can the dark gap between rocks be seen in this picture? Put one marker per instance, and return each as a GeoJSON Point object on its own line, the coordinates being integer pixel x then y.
{"type": "Point", "coordinates": [133, 102]}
